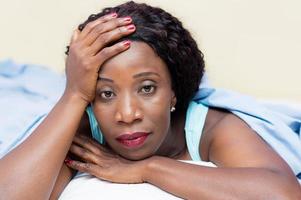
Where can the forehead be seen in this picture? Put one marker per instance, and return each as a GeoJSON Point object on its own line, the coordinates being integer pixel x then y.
{"type": "Point", "coordinates": [139, 57]}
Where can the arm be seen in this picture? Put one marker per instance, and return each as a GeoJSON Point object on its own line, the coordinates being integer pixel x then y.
{"type": "Point", "coordinates": [248, 168]}
{"type": "Point", "coordinates": [36, 163]}
{"type": "Point", "coordinates": [62, 180]}
{"type": "Point", "coordinates": [66, 173]}
{"type": "Point", "coordinates": [42, 153]}
{"type": "Point", "coordinates": [197, 182]}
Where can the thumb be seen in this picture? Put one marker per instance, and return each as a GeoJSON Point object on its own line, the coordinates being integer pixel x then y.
{"type": "Point", "coordinates": [74, 35]}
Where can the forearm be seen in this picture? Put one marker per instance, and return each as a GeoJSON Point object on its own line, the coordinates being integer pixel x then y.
{"type": "Point", "coordinates": [62, 180]}
{"type": "Point", "coordinates": [198, 182]}
{"type": "Point", "coordinates": [30, 170]}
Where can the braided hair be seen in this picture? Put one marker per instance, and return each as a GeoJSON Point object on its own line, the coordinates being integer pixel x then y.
{"type": "Point", "coordinates": [170, 41]}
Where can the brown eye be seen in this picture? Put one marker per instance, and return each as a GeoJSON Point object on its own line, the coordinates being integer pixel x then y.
{"type": "Point", "coordinates": [148, 89]}
{"type": "Point", "coordinates": [107, 94]}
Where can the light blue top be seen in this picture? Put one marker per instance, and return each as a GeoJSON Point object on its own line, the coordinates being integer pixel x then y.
{"type": "Point", "coordinates": [195, 120]}
{"type": "Point", "coordinates": [279, 126]}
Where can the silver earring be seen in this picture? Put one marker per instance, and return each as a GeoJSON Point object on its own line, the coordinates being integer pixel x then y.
{"type": "Point", "coordinates": [172, 109]}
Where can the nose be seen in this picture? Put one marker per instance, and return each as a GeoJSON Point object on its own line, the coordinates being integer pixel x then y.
{"type": "Point", "coordinates": [128, 110]}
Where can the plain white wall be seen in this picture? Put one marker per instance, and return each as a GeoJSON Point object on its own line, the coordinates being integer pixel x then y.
{"type": "Point", "coordinates": [251, 46]}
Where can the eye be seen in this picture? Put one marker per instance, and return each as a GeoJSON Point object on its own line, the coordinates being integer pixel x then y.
{"type": "Point", "coordinates": [148, 89]}
{"type": "Point", "coordinates": [106, 94]}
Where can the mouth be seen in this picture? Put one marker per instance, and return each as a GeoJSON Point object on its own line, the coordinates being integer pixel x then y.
{"type": "Point", "coordinates": [133, 140]}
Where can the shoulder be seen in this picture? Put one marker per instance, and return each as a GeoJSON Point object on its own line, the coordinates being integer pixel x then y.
{"type": "Point", "coordinates": [213, 120]}
{"type": "Point", "coordinates": [221, 129]}
{"type": "Point", "coordinates": [230, 142]}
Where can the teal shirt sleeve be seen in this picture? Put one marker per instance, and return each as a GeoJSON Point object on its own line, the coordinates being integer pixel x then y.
{"type": "Point", "coordinates": [195, 120]}
{"type": "Point", "coordinates": [95, 130]}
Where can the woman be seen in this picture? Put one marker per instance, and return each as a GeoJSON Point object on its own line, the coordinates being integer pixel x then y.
{"type": "Point", "coordinates": [135, 69]}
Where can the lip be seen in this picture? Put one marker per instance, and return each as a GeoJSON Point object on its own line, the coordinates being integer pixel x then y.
{"type": "Point", "coordinates": [132, 140]}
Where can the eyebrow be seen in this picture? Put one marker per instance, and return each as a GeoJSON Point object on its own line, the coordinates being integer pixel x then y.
{"type": "Point", "coordinates": [145, 74]}
{"type": "Point", "coordinates": [134, 76]}
{"type": "Point", "coordinates": [105, 79]}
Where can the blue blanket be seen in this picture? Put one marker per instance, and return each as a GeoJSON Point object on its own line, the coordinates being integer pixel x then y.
{"type": "Point", "coordinates": [28, 92]}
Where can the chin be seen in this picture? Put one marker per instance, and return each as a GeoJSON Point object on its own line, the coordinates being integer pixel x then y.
{"type": "Point", "coordinates": [135, 156]}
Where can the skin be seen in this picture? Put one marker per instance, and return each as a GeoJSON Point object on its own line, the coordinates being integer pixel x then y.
{"type": "Point", "coordinates": [248, 168]}
{"type": "Point", "coordinates": [135, 97]}
{"type": "Point", "coordinates": [53, 137]}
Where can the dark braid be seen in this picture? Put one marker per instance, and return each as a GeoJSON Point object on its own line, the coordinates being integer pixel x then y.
{"type": "Point", "coordinates": [172, 43]}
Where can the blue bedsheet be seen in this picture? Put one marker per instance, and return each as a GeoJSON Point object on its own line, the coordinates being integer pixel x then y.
{"type": "Point", "coordinates": [28, 92]}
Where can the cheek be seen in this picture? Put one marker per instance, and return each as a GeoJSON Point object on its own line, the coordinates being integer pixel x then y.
{"type": "Point", "coordinates": [158, 113]}
{"type": "Point", "coordinates": [104, 116]}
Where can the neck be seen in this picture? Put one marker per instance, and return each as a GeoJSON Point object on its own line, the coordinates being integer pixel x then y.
{"type": "Point", "coordinates": [174, 145]}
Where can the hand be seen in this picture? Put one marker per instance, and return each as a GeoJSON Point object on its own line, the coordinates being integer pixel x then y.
{"type": "Point", "coordinates": [88, 51]}
{"type": "Point", "coordinates": [103, 162]}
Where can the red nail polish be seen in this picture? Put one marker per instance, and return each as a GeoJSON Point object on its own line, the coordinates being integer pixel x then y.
{"type": "Point", "coordinates": [68, 161]}
{"type": "Point", "coordinates": [126, 43]}
{"type": "Point", "coordinates": [113, 15]}
{"type": "Point", "coordinates": [130, 27]}
{"type": "Point", "coordinates": [127, 19]}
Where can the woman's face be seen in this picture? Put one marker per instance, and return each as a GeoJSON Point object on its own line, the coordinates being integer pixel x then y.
{"type": "Point", "coordinates": [133, 101]}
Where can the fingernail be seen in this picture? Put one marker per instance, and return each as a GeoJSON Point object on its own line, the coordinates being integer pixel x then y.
{"type": "Point", "coordinates": [127, 19]}
{"type": "Point", "coordinates": [126, 43]}
{"type": "Point", "coordinates": [113, 15]}
{"type": "Point", "coordinates": [68, 161]}
{"type": "Point", "coordinates": [130, 27]}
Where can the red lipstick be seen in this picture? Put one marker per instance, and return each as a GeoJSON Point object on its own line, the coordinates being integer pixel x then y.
{"type": "Point", "coordinates": [132, 140]}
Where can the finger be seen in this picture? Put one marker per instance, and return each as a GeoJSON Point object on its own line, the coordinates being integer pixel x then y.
{"type": "Point", "coordinates": [89, 144]}
{"type": "Point", "coordinates": [105, 27]}
{"type": "Point", "coordinates": [95, 146]}
{"type": "Point", "coordinates": [84, 154]}
{"type": "Point", "coordinates": [90, 26]}
{"type": "Point", "coordinates": [109, 37]}
{"type": "Point", "coordinates": [111, 51]}
{"type": "Point", "coordinates": [82, 167]}
{"type": "Point", "coordinates": [74, 36]}
{"type": "Point", "coordinates": [95, 170]}
{"type": "Point", "coordinates": [94, 142]}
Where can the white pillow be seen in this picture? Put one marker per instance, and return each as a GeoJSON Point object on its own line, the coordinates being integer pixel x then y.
{"type": "Point", "coordinates": [85, 186]}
